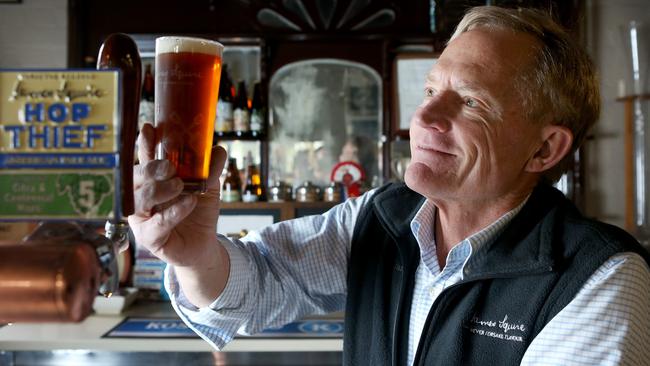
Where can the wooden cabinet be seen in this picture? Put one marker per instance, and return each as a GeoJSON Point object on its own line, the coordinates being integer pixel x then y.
{"type": "Point", "coordinates": [307, 28]}
{"type": "Point", "coordinates": [371, 32]}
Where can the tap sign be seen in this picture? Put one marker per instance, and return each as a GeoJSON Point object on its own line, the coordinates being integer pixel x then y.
{"type": "Point", "coordinates": [59, 144]}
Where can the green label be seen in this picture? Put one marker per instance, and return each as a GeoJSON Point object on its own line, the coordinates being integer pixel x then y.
{"type": "Point", "coordinates": [57, 195]}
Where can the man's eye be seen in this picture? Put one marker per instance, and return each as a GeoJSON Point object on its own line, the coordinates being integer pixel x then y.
{"type": "Point", "coordinates": [429, 92]}
{"type": "Point", "coordinates": [471, 102]}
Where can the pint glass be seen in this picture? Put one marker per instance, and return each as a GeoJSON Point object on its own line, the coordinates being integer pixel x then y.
{"type": "Point", "coordinates": [187, 87]}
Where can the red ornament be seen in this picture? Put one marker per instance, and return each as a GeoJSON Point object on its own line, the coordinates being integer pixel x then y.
{"type": "Point", "coordinates": [350, 174]}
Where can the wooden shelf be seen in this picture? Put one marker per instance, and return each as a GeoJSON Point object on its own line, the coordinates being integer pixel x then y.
{"type": "Point", "coordinates": [287, 210]}
{"type": "Point", "coordinates": [238, 135]}
{"type": "Point", "coordinates": [629, 98]}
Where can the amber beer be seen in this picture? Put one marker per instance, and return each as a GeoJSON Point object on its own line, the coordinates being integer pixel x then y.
{"type": "Point", "coordinates": [187, 87]}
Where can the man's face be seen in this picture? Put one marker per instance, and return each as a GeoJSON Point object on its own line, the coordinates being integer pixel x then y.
{"type": "Point", "coordinates": [469, 139]}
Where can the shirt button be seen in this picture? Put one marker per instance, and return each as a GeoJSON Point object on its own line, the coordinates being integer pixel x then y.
{"type": "Point", "coordinates": [432, 291]}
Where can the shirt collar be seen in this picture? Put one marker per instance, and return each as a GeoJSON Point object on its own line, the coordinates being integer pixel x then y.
{"type": "Point", "coordinates": [422, 227]}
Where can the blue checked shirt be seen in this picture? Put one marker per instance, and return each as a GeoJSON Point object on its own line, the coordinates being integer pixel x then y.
{"type": "Point", "coordinates": [297, 268]}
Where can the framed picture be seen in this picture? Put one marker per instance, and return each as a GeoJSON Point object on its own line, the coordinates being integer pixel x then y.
{"type": "Point", "coordinates": [409, 74]}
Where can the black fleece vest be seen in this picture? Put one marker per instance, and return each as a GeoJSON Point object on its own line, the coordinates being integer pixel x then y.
{"type": "Point", "coordinates": [512, 287]}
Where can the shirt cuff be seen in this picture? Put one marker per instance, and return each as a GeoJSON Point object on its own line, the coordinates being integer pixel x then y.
{"type": "Point", "coordinates": [239, 278]}
{"type": "Point", "coordinates": [218, 323]}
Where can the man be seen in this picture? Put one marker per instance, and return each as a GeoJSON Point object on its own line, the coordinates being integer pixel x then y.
{"type": "Point", "coordinates": [476, 260]}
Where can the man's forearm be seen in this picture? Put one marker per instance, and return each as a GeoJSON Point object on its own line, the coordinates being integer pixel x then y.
{"type": "Point", "coordinates": [204, 282]}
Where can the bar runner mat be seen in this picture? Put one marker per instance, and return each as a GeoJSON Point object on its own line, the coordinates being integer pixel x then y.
{"type": "Point", "coordinates": [134, 327]}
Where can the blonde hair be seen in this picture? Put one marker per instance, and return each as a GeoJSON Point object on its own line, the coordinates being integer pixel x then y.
{"type": "Point", "coordinates": [560, 86]}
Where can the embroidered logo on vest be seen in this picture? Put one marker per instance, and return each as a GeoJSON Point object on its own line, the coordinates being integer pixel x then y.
{"type": "Point", "coordinates": [500, 329]}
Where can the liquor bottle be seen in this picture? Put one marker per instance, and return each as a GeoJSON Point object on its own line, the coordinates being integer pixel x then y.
{"type": "Point", "coordinates": [231, 188]}
{"type": "Point", "coordinates": [148, 86]}
{"type": "Point", "coordinates": [146, 110]}
{"type": "Point", "coordinates": [242, 113]}
{"type": "Point", "coordinates": [253, 187]}
{"type": "Point", "coordinates": [224, 119]}
{"type": "Point", "coordinates": [257, 110]}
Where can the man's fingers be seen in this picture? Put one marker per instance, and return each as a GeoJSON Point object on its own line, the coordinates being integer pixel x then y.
{"type": "Point", "coordinates": [153, 232]}
{"type": "Point", "coordinates": [154, 193]}
{"type": "Point", "coordinates": [146, 143]}
{"type": "Point", "coordinates": [172, 215]}
{"type": "Point", "coordinates": [156, 170]}
{"type": "Point", "coordinates": [217, 162]}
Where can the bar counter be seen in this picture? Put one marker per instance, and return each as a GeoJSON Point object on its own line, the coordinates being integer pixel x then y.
{"type": "Point", "coordinates": [87, 335]}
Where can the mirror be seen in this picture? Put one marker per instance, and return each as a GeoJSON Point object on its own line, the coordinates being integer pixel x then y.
{"type": "Point", "coordinates": [324, 112]}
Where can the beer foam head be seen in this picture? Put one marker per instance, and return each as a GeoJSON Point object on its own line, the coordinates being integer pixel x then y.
{"type": "Point", "coordinates": [175, 44]}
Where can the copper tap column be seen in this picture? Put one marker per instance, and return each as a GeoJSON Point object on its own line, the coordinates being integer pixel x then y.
{"type": "Point", "coordinates": [48, 282]}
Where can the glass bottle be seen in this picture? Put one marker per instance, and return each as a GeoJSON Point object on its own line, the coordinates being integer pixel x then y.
{"type": "Point", "coordinates": [252, 191]}
{"type": "Point", "coordinates": [638, 45]}
{"type": "Point", "coordinates": [224, 119]}
{"type": "Point", "coordinates": [148, 88]}
{"type": "Point", "coordinates": [146, 108]}
{"type": "Point", "coordinates": [231, 188]}
{"type": "Point", "coordinates": [257, 110]}
{"type": "Point", "coordinates": [241, 113]}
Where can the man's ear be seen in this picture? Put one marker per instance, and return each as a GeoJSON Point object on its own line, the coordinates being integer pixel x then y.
{"type": "Point", "coordinates": [556, 143]}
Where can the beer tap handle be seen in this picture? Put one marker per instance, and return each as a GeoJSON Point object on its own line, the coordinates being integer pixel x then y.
{"type": "Point", "coordinates": [120, 51]}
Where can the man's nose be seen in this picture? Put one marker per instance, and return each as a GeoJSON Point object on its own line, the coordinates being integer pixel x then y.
{"type": "Point", "coordinates": [437, 112]}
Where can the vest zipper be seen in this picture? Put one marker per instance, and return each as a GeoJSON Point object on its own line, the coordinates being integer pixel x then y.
{"type": "Point", "coordinates": [428, 323]}
{"type": "Point", "coordinates": [398, 314]}
{"type": "Point", "coordinates": [407, 261]}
